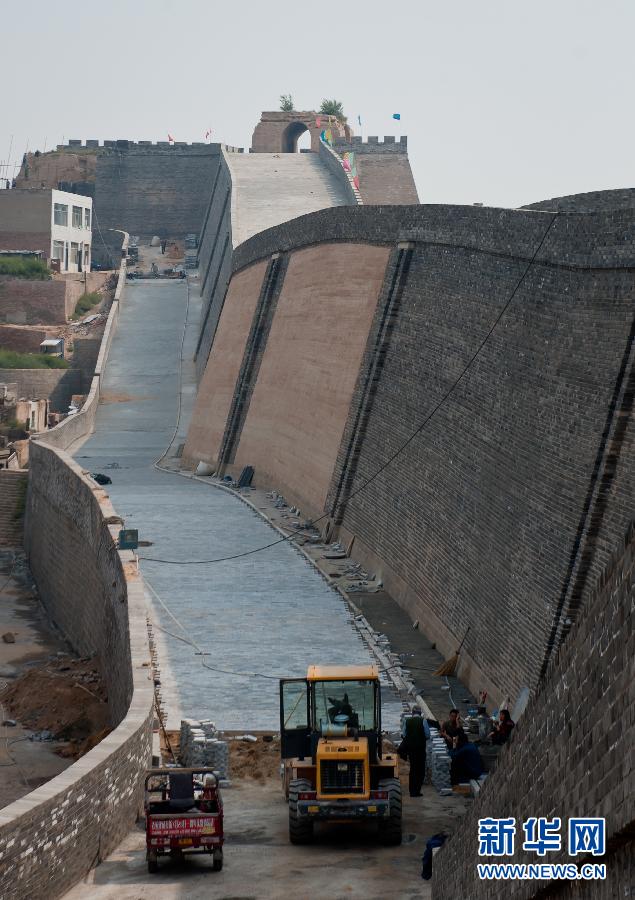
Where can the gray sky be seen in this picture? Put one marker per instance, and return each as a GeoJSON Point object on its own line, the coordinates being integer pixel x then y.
{"type": "Point", "coordinates": [503, 102]}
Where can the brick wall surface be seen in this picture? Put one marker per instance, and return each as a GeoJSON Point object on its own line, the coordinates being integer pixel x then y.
{"type": "Point", "coordinates": [302, 395]}
{"type": "Point", "coordinates": [216, 391]}
{"type": "Point", "coordinates": [571, 755]}
{"type": "Point", "coordinates": [26, 240]}
{"type": "Point", "coordinates": [85, 353]}
{"type": "Point", "coordinates": [58, 385]}
{"type": "Point", "coordinates": [593, 201]}
{"type": "Point", "coordinates": [154, 190]}
{"type": "Point", "coordinates": [215, 261]}
{"type": "Point", "coordinates": [53, 836]}
{"type": "Point", "coordinates": [480, 514]}
{"type": "Point", "coordinates": [24, 302]}
{"type": "Point", "coordinates": [22, 340]}
{"type": "Point", "coordinates": [501, 515]}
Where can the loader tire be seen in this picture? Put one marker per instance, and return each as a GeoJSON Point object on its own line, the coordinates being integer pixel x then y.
{"type": "Point", "coordinates": [390, 828]}
{"type": "Point", "coordinates": [300, 828]}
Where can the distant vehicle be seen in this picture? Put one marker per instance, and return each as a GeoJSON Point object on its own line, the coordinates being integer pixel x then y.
{"type": "Point", "coordinates": [184, 813]}
{"type": "Point", "coordinates": [333, 766]}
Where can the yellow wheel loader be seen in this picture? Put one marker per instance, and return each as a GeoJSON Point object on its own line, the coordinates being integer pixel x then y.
{"type": "Point", "coordinates": [333, 768]}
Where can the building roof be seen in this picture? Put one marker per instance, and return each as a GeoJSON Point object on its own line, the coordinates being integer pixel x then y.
{"type": "Point", "coordinates": [342, 673]}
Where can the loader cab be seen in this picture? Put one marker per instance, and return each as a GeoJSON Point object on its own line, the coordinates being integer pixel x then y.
{"type": "Point", "coordinates": [331, 702]}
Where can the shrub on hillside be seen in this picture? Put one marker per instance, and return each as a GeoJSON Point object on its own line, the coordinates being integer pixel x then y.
{"type": "Point", "coordinates": [9, 359]}
{"type": "Point", "coordinates": [86, 302]}
{"type": "Point", "coordinates": [24, 267]}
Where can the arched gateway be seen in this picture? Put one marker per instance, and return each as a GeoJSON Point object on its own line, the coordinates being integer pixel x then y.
{"type": "Point", "coordinates": [278, 132]}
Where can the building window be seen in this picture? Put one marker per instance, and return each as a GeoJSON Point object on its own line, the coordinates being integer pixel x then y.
{"type": "Point", "coordinates": [77, 217]}
{"type": "Point", "coordinates": [60, 214]}
{"type": "Point", "coordinates": [86, 218]}
{"type": "Point", "coordinates": [86, 252]}
{"type": "Point", "coordinates": [74, 254]}
{"type": "Point", "coordinates": [58, 250]}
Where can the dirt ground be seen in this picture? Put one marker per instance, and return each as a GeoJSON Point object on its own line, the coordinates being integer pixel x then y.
{"type": "Point", "coordinates": [42, 688]}
{"type": "Point", "coordinates": [343, 862]}
{"type": "Point", "coordinates": [63, 696]}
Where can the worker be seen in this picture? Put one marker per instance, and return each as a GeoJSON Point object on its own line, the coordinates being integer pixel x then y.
{"type": "Point", "coordinates": [466, 760]}
{"type": "Point", "coordinates": [413, 748]}
{"type": "Point", "coordinates": [163, 245]}
{"type": "Point", "coordinates": [451, 728]}
{"type": "Point", "coordinates": [502, 728]}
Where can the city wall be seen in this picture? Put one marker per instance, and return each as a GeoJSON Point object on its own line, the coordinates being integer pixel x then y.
{"type": "Point", "coordinates": [546, 770]}
{"type": "Point", "coordinates": [500, 516]}
{"type": "Point", "coordinates": [53, 836]}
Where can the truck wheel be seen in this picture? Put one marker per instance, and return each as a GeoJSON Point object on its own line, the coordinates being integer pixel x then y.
{"type": "Point", "coordinates": [153, 863]}
{"type": "Point", "coordinates": [390, 828]}
{"type": "Point", "coordinates": [217, 865]}
{"type": "Point", "coordinates": [300, 828]}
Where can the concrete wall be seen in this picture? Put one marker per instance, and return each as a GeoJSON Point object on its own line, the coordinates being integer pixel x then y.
{"type": "Point", "coordinates": [22, 340]}
{"type": "Point", "coordinates": [56, 385]}
{"type": "Point", "coordinates": [25, 302]}
{"type": "Point", "coordinates": [52, 837]}
{"type": "Point", "coordinates": [571, 755]}
{"type": "Point", "coordinates": [501, 514]}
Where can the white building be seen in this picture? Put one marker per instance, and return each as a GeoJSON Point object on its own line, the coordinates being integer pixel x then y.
{"type": "Point", "coordinates": [71, 231]}
{"type": "Point", "coordinates": [55, 223]}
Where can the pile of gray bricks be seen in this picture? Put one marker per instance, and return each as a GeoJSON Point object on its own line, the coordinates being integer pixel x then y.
{"type": "Point", "coordinates": [201, 746]}
{"type": "Point", "coordinates": [438, 761]}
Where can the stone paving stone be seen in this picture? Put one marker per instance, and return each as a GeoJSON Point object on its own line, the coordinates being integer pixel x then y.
{"type": "Point", "coordinates": [269, 613]}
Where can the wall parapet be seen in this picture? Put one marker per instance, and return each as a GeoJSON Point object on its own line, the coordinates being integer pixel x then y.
{"type": "Point", "coordinates": [99, 606]}
{"type": "Point", "coordinates": [508, 233]}
{"type": "Point", "coordinates": [334, 163]}
{"type": "Point", "coordinates": [372, 144]}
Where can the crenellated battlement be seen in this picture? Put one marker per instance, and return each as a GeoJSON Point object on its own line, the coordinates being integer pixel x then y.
{"type": "Point", "coordinates": [120, 144]}
{"type": "Point", "coordinates": [372, 144]}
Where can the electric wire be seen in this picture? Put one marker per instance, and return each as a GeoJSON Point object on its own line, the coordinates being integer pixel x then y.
{"type": "Point", "coordinates": [400, 449]}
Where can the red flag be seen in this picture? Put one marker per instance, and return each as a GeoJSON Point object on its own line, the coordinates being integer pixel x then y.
{"type": "Point", "coordinates": [207, 133]}
{"type": "Point", "coordinates": [318, 122]}
{"type": "Point", "coordinates": [170, 138]}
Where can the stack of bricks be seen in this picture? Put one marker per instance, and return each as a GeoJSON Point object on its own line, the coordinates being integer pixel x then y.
{"type": "Point", "coordinates": [438, 760]}
{"type": "Point", "coordinates": [200, 746]}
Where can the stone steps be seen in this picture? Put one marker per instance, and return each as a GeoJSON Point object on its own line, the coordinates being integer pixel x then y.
{"type": "Point", "coordinates": [12, 487]}
{"type": "Point", "coordinates": [271, 188]}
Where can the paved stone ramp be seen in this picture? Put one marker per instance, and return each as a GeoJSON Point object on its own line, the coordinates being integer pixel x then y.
{"type": "Point", "coordinates": [271, 188]}
{"type": "Point", "coordinates": [268, 613]}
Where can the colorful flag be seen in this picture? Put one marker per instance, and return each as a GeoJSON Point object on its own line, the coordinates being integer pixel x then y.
{"type": "Point", "coordinates": [396, 116]}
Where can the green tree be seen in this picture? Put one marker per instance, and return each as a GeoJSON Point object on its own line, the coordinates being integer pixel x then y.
{"type": "Point", "coordinates": [333, 108]}
{"type": "Point", "coordinates": [286, 102]}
